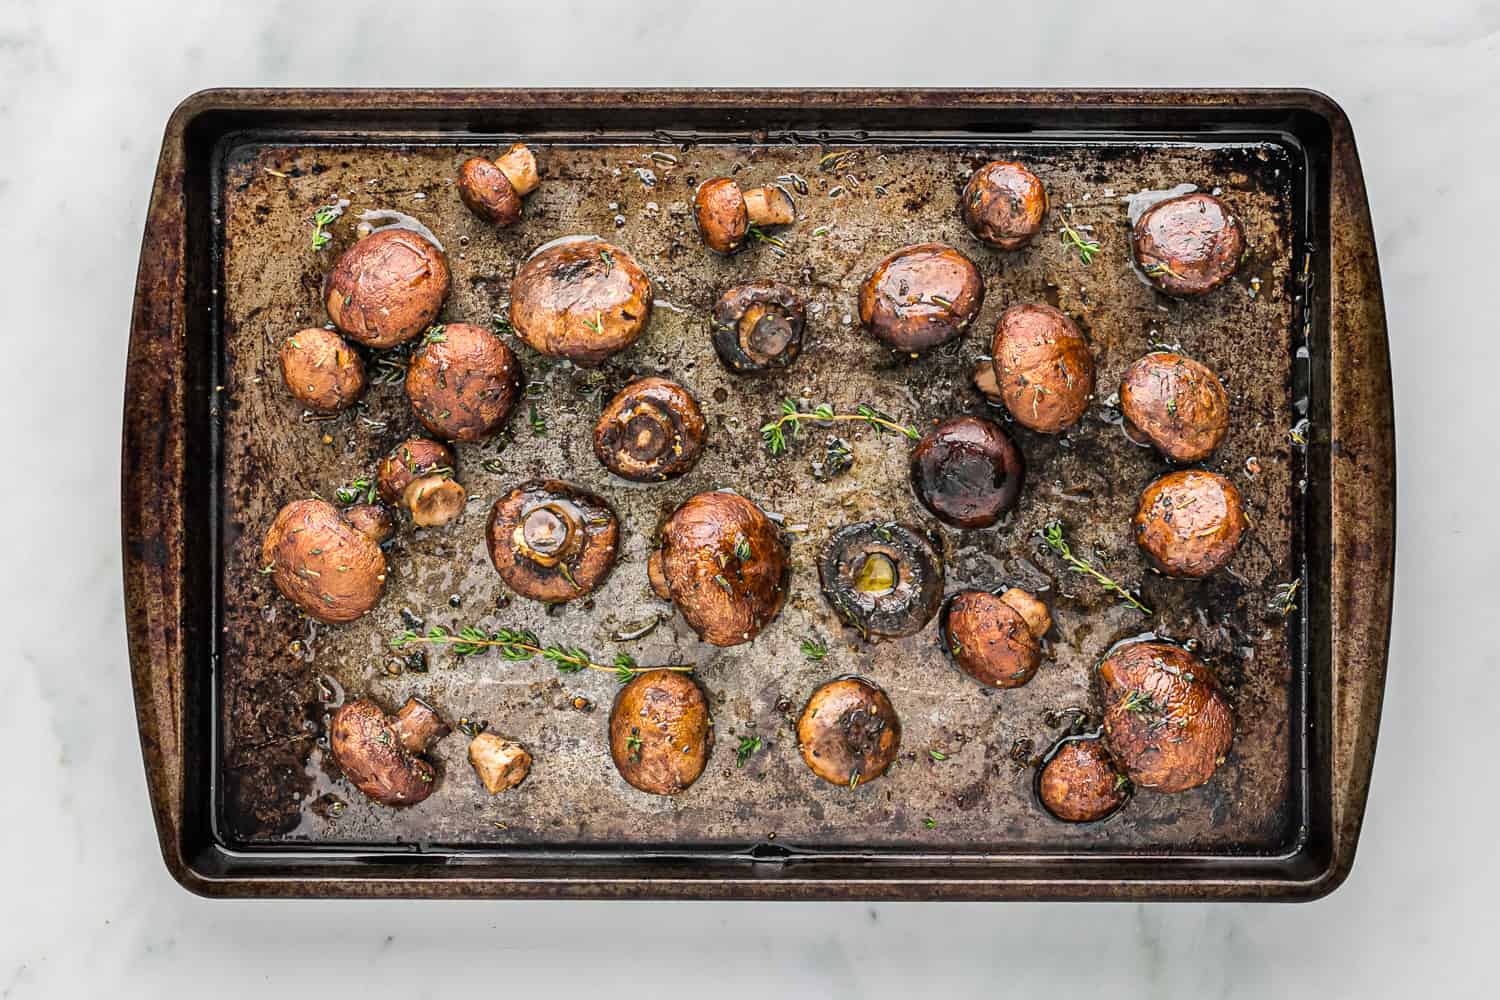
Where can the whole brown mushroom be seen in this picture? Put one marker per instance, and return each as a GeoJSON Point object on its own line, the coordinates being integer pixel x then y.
{"type": "Point", "coordinates": [849, 733]}
{"type": "Point", "coordinates": [418, 476]}
{"type": "Point", "coordinates": [1003, 204]}
{"type": "Point", "coordinates": [323, 564]}
{"type": "Point", "coordinates": [463, 382]}
{"type": "Point", "coordinates": [387, 288]}
{"type": "Point", "coordinates": [493, 189]}
{"type": "Point", "coordinates": [651, 431]}
{"type": "Point", "coordinates": [921, 296]}
{"type": "Point", "coordinates": [725, 214]}
{"type": "Point", "coordinates": [757, 327]}
{"type": "Point", "coordinates": [1188, 245]}
{"type": "Point", "coordinates": [1079, 783]}
{"type": "Point", "coordinates": [580, 298]}
{"type": "Point", "coordinates": [996, 638]}
{"type": "Point", "coordinates": [382, 755]}
{"type": "Point", "coordinates": [1043, 367]}
{"type": "Point", "coordinates": [660, 732]}
{"type": "Point", "coordinates": [322, 372]}
{"type": "Point", "coordinates": [552, 541]}
{"type": "Point", "coordinates": [967, 472]}
{"type": "Point", "coordinates": [1177, 404]}
{"type": "Point", "coordinates": [883, 578]}
{"type": "Point", "coordinates": [1189, 523]}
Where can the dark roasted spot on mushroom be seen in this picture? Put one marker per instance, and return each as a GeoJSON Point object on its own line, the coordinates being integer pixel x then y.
{"type": "Point", "coordinates": [967, 472]}
{"type": "Point", "coordinates": [848, 732]}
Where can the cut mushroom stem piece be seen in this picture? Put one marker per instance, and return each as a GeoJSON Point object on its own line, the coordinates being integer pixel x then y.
{"type": "Point", "coordinates": [769, 206]}
{"type": "Point", "coordinates": [518, 164]}
{"type": "Point", "coordinates": [418, 726]}
{"type": "Point", "coordinates": [499, 762]}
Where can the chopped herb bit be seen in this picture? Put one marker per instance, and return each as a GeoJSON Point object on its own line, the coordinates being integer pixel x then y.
{"type": "Point", "coordinates": [814, 649]}
{"type": "Point", "coordinates": [1053, 535]}
{"type": "Point", "coordinates": [748, 746]}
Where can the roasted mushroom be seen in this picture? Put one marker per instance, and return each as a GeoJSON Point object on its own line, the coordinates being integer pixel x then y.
{"type": "Point", "coordinates": [1188, 245]}
{"type": "Point", "coordinates": [417, 475]}
{"type": "Point", "coordinates": [921, 296]}
{"type": "Point", "coordinates": [1175, 403]}
{"type": "Point", "coordinates": [967, 472]}
{"type": "Point", "coordinates": [323, 564]}
{"type": "Point", "coordinates": [1043, 367]}
{"type": "Point", "coordinates": [552, 541]}
{"type": "Point", "coordinates": [660, 732]}
{"type": "Point", "coordinates": [387, 288]}
{"type": "Point", "coordinates": [723, 563]}
{"type": "Point", "coordinates": [1190, 523]}
{"type": "Point", "coordinates": [322, 372]}
{"type": "Point", "coordinates": [580, 298]}
{"type": "Point", "coordinates": [373, 520]}
{"type": "Point", "coordinates": [1165, 719]}
{"type": "Point", "coordinates": [757, 327]}
{"type": "Point", "coordinates": [500, 763]}
{"type": "Point", "coordinates": [651, 431]}
{"type": "Point", "coordinates": [382, 755]}
{"type": "Point", "coordinates": [849, 733]}
{"type": "Point", "coordinates": [493, 189]}
{"type": "Point", "coordinates": [996, 638]}
{"type": "Point", "coordinates": [463, 382]}
{"type": "Point", "coordinates": [883, 578]}
{"type": "Point", "coordinates": [726, 214]}
{"type": "Point", "coordinates": [1079, 783]}
{"type": "Point", "coordinates": [1003, 204]}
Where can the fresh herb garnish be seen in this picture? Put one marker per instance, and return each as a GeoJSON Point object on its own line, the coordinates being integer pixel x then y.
{"type": "Point", "coordinates": [523, 644]}
{"type": "Point", "coordinates": [1284, 600]}
{"type": "Point", "coordinates": [1087, 249]}
{"type": "Point", "coordinates": [321, 220]}
{"type": "Point", "coordinates": [748, 746]}
{"type": "Point", "coordinates": [1053, 535]}
{"type": "Point", "coordinates": [813, 649]}
{"type": "Point", "coordinates": [360, 491]}
{"type": "Point", "coordinates": [776, 432]}
{"type": "Point", "coordinates": [538, 422]}
{"type": "Point", "coordinates": [937, 755]}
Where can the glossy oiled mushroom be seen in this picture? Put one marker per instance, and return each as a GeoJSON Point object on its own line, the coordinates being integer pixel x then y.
{"type": "Point", "coordinates": [1188, 245]}
{"type": "Point", "coordinates": [967, 472]}
{"type": "Point", "coordinates": [381, 755]}
{"type": "Point", "coordinates": [1190, 523]}
{"type": "Point", "coordinates": [1043, 367]}
{"type": "Point", "coordinates": [552, 541]}
{"type": "Point", "coordinates": [493, 189]}
{"type": "Point", "coordinates": [849, 733]}
{"type": "Point", "coordinates": [418, 476]}
{"type": "Point", "coordinates": [885, 579]}
{"type": "Point", "coordinates": [1175, 403]}
{"type": "Point", "coordinates": [322, 372]}
{"type": "Point", "coordinates": [387, 288]}
{"type": "Point", "coordinates": [723, 563]}
{"type": "Point", "coordinates": [500, 763]}
{"type": "Point", "coordinates": [757, 327]}
{"type": "Point", "coordinates": [580, 298]}
{"type": "Point", "coordinates": [1165, 719]}
{"type": "Point", "coordinates": [463, 382]}
{"type": "Point", "coordinates": [660, 732]}
{"type": "Point", "coordinates": [373, 520]}
{"type": "Point", "coordinates": [921, 296]}
{"type": "Point", "coordinates": [651, 431]}
{"type": "Point", "coordinates": [996, 638]}
{"type": "Point", "coordinates": [323, 564]}
{"type": "Point", "coordinates": [725, 213]}
{"type": "Point", "coordinates": [1003, 204]}
{"type": "Point", "coordinates": [1078, 782]}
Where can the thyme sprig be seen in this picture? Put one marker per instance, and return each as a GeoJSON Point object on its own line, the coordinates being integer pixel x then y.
{"type": "Point", "coordinates": [523, 644]}
{"type": "Point", "coordinates": [1053, 535]}
{"type": "Point", "coordinates": [1087, 249]}
{"type": "Point", "coordinates": [776, 433]}
{"type": "Point", "coordinates": [321, 220]}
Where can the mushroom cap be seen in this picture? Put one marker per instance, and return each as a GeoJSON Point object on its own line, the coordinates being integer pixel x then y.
{"type": "Point", "coordinates": [757, 327]}
{"type": "Point", "coordinates": [463, 382]}
{"type": "Point", "coordinates": [489, 194]}
{"type": "Point", "coordinates": [580, 298]}
{"type": "Point", "coordinates": [371, 754]}
{"type": "Point", "coordinates": [660, 732]}
{"type": "Point", "coordinates": [719, 208]}
{"type": "Point", "coordinates": [921, 296]}
{"type": "Point", "coordinates": [651, 431]}
{"type": "Point", "coordinates": [387, 288]}
{"type": "Point", "coordinates": [552, 541]}
{"type": "Point", "coordinates": [727, 600]}
{"type": "Point", "coordinates": [991, 640]}
{"type": "Point", "coordinates": [373, 520]}
{"type": "Point", "coordinates": [1165, 719]}
{"type": "Point", "coordinates": [883, 578]}
{"type": "Point", "coordinates": [323, 564]}
{"type": "Point", "coordinates": [409, 460]}
{"type": "Point", "coordinates": [1177, 404]}
{"type": "Point", "coordinates": [967, 472]}
{"type": "Point", "coordinates": [1188, 245]}
{"type": "Point", "coordinates": [849, 732]}
{"type": "Point", "coordinates": [1190, 522]}
{"type": "Point", "coordinates": [322, 372]}
{"type": "Point", "coordinates": [1044, 367]}
{"type": "Point", "coordinates": [1079, 783]}
{"type": "Point", "coordinates": [1003, 204]}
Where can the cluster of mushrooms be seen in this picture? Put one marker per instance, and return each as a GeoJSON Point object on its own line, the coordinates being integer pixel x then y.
{"type": "Point", "coordinates": [721, 560]}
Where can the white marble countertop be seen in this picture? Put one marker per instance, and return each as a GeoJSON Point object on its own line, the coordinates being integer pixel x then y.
{"type": "Point", "coordinates": [87, 908]}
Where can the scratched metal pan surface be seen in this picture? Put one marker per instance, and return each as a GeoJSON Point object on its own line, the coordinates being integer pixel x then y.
{"type": "Point", "coordinates": [962, 787]}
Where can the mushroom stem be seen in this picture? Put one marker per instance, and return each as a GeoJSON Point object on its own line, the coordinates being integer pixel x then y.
{"type": "Point", "coordinates": [418, 726]}
{"type": "Point", "coordinates": [519, 167]}
{"type": "Point", "coordinates": [433, 500]}
{"type": "Point", "coordinates": [1032, 611]}
{"type": "Point", "coordinates": [769, 206]}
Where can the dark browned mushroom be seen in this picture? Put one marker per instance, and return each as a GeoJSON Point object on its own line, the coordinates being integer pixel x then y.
{"type": "Point", "coordinates": [1165, 719]}
{"type": "Point", "coordinates": [1079, 783]}
{"type": "Point", "coordinates": [883, 578]}
{"type": "Point", "coordinates": [1003, 204]}
{"type": "Point", "coordinates": [373, 520]}
{"type": "Point", "coordinates": [757, 327]}
{"type": "Point", "coordinates": [921, 296]}
{"type": "Point", "coordinates": [463, 382]}
{"type": "Point", "coordinates": [500, 763]}
{"type": "Point", "coordinates": [1189, 523]}
{"type": "Point", "coordinates": [493, 189]}
{"type": "Point", "coordinates": [1043, 367]}
{"type": "Point", "coordinates": [849, 733]}
{"type": "Point", "coordinates": [1188, 245]}
{"type": "Point", "coordinates": [552, 541]}
{"type": "Point", "coordinates": [323, 564]}
{"type": "Point", "coordinates": [996, 638]}
{"type": "Point", "coordinates": [651, 431]}
{"type": "Point", "coordinates": [967, 472]}
{"type": "Point", "coordinates": [725, 214]}
{"type": "Point", "coordinates": [418, 476]}
{"type": "Point", "coordinates": [580, 298]}
{"type": "Point", "coordinates": [1177, 404]}
{"type": "Point", "coordinates": [322, 372]}
{"type": "Point", "coordinates": [382, 755]}
{"type": "Point", "coordinates": [387, 288]}
{"type": "Point", "coordinates": [660, 732]}
{"type": "Point", "coordinates": [723, 562]}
